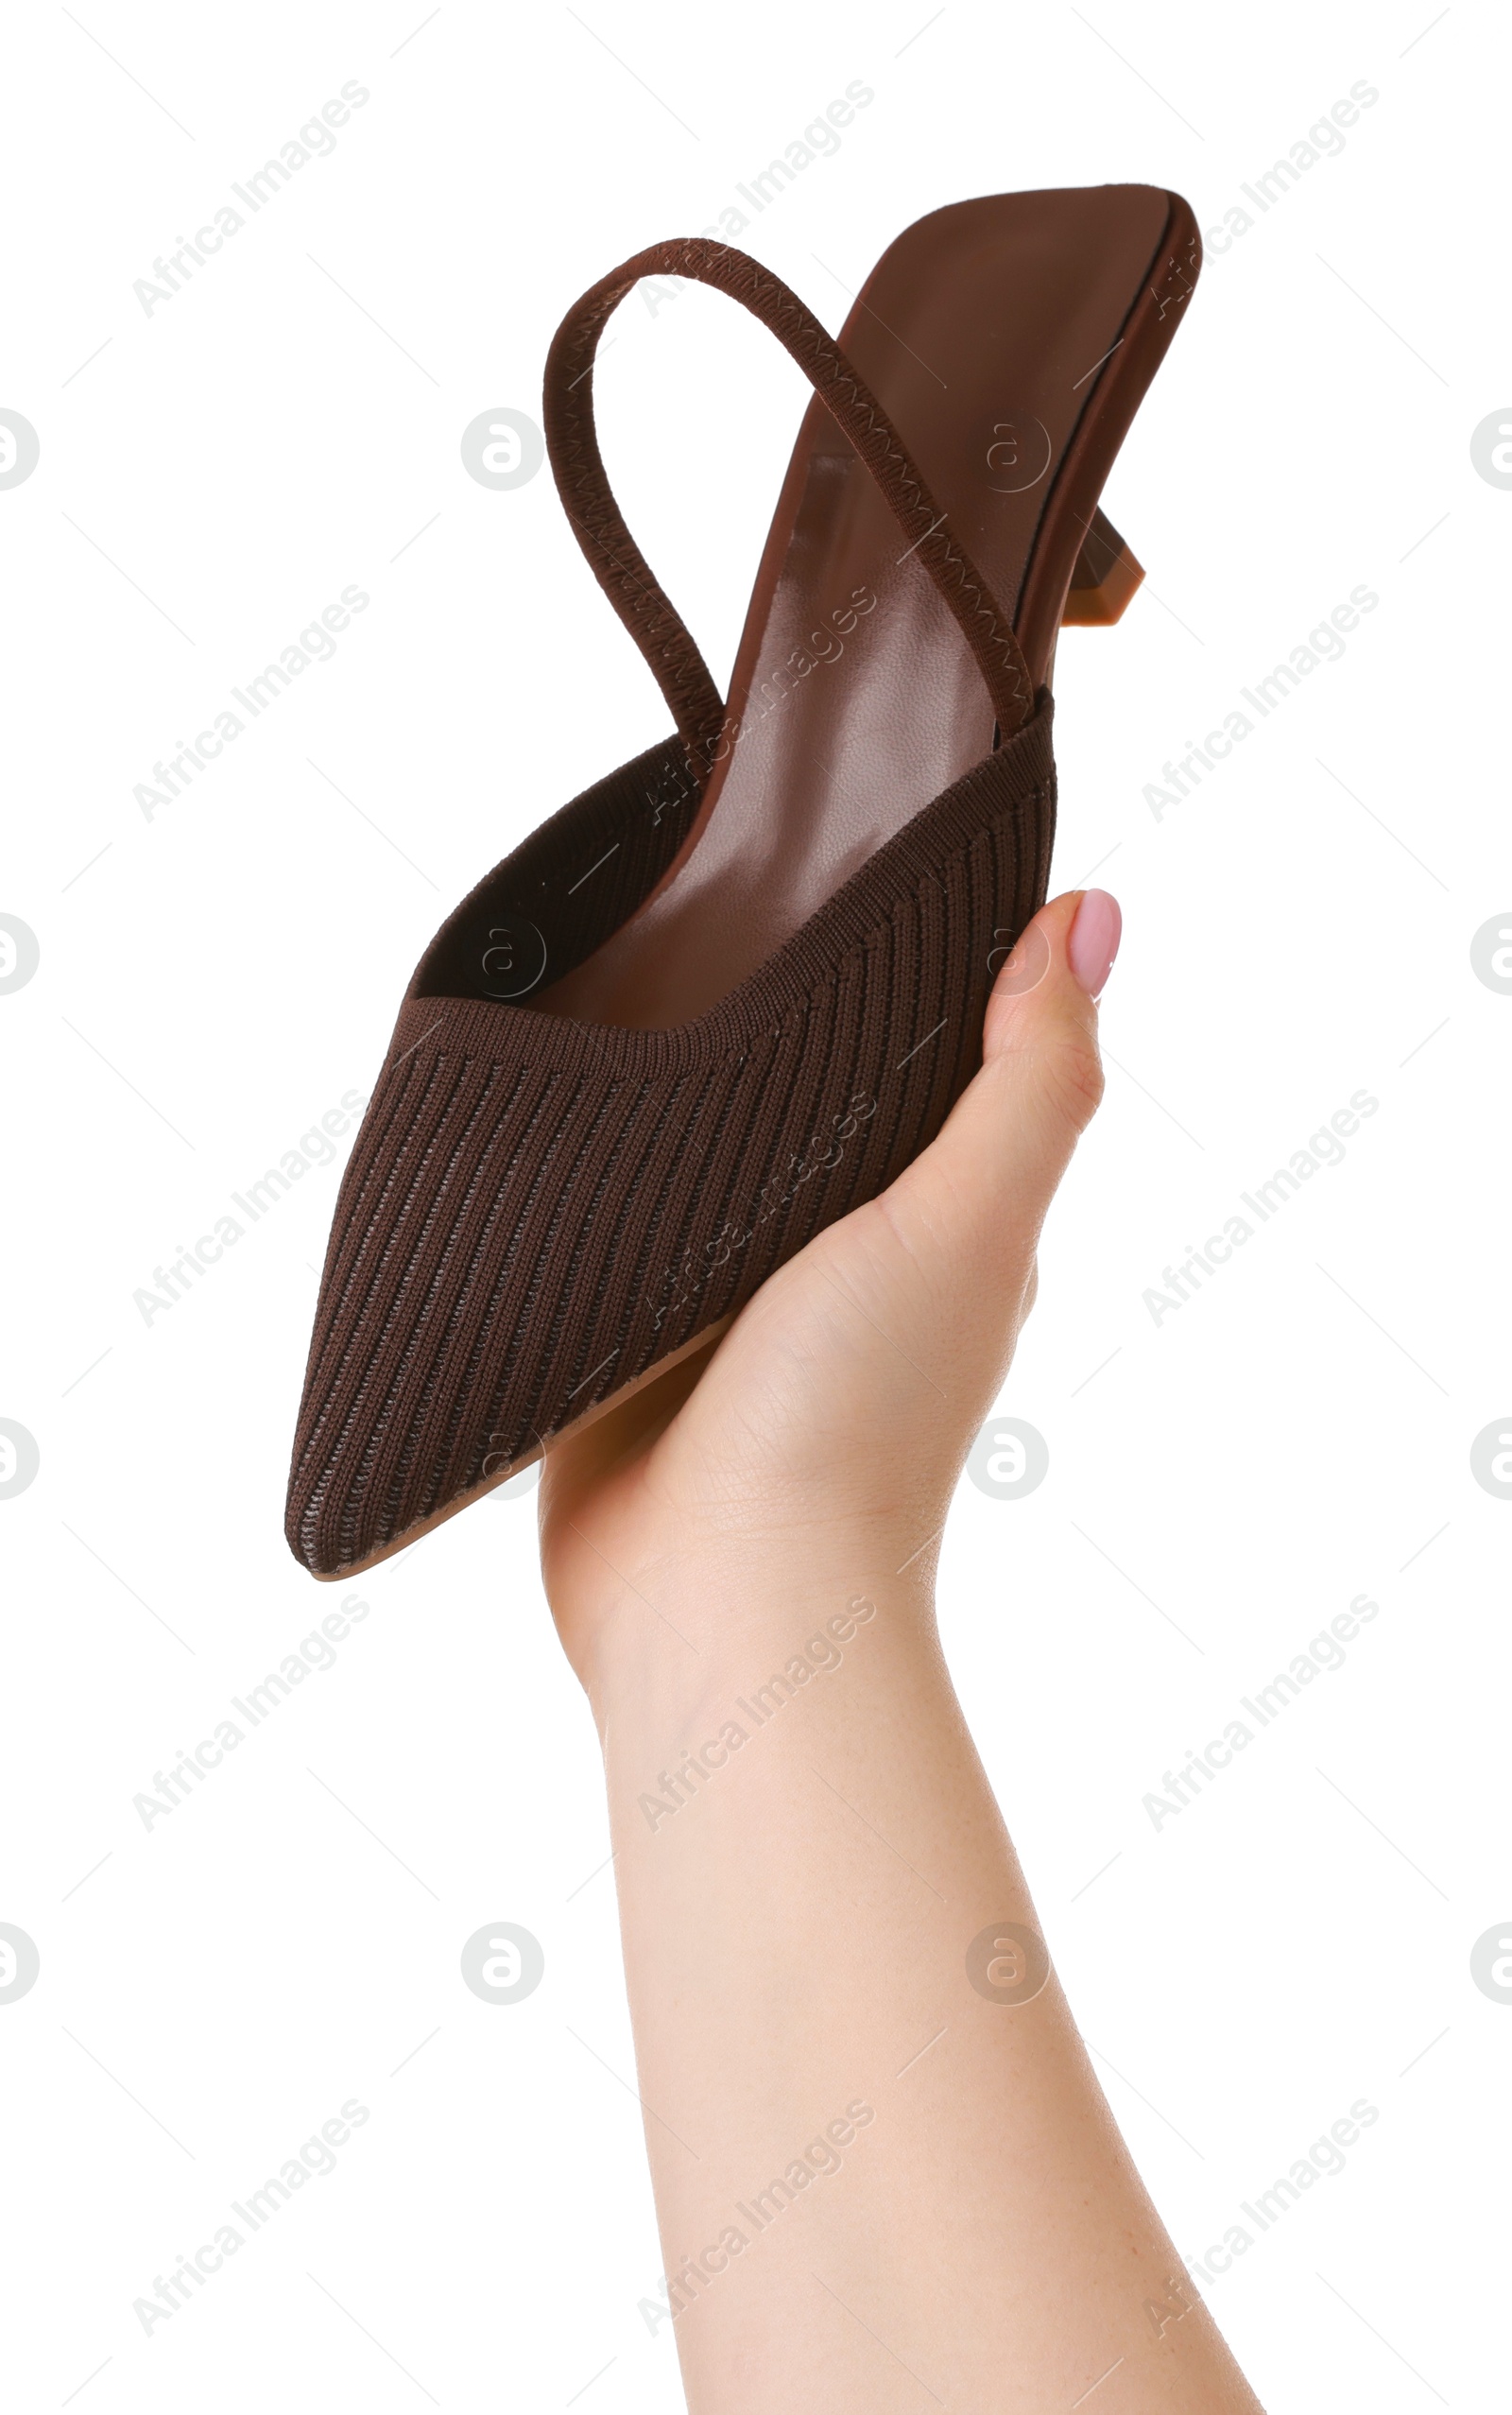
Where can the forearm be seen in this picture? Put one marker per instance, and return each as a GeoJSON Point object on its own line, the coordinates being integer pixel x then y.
{"type": "Point", "coordinates": [845, 2121]}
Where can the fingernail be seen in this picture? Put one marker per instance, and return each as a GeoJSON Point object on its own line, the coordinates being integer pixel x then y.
{"type": "Point", "coordinates": [1095, 932]}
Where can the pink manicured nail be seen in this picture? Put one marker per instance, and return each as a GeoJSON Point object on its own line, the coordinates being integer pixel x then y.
{"type": "Point", "coordinates": [1093, 942]}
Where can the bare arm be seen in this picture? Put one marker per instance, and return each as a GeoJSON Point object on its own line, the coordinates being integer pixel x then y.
{"type": "Point", "coordinates": [885, 2171]}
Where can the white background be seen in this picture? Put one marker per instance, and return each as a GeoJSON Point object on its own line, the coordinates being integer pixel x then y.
{"type": "Point", "coordinates": [215, 979]}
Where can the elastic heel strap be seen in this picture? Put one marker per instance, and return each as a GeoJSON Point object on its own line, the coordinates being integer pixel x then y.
{"type": "Point", "coordinates": [616, 560]}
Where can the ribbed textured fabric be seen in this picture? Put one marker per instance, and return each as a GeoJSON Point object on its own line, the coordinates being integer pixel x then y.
{"type": "Point", "coordinates": [537, 1211]}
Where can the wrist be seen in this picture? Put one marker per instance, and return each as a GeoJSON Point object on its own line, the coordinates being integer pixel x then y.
{"type": "Point", "coordinates": [752, 1626]}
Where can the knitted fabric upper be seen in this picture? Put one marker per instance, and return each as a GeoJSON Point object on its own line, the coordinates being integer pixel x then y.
{"type": "Point", "coordinates": [537, 1211]}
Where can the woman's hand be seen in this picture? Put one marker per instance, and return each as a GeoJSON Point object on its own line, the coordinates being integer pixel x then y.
{"type": "Point", "coordinates": [836, 1413]}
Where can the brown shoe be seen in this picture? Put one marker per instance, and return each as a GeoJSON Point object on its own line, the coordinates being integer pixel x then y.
{"type": "Point", "coordinates": [729, 993]}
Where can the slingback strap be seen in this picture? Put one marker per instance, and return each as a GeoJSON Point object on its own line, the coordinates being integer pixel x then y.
{"type": "Point", "coordinates": [617, 561]}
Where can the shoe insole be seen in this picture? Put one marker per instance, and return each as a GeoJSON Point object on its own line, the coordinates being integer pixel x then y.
{"type": "Point", "coordinates": [1009, 340]}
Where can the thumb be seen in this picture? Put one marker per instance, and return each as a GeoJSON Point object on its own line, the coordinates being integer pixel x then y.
{"type": "Point", "coordinates": [990, 1175]}
{"type": "Point", "coordinates": [1041, 1033]}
